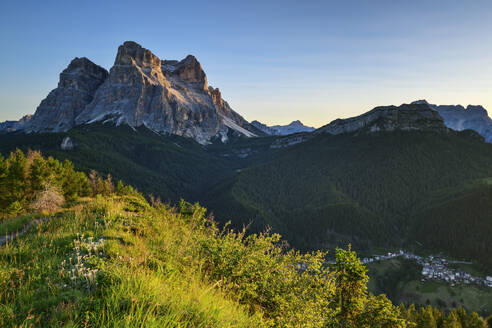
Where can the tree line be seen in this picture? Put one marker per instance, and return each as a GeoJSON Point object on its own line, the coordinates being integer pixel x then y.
{"type": "Point", "coordinates": [31, 181]}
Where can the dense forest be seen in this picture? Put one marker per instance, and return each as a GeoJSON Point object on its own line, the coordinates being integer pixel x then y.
{"type": "Point", "coordinates": [379, 190]}
{"type": "Point", "coordinates": [106, 257]}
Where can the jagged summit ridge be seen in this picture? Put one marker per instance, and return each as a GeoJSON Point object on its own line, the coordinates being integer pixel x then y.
{"type": "Point", "coordinates": [167, 96]}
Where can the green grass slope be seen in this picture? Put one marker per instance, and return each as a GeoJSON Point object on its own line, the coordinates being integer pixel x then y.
{"type": "Point", "coordinates": [100, 264]}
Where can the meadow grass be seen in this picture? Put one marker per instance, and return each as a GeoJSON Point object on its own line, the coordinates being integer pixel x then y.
{"type": "Point", "coordinates": [11, 225]}
{"type": "Point", "coordinates": [140, 281]}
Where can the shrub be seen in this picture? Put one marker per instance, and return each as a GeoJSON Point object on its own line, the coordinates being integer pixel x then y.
{"type": "Point", "coordinates": [49, 200]}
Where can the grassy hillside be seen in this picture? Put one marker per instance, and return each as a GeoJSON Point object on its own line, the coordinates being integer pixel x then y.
{"type": "Point", "coordinates": [103, 263]}
{"type": "Point", "coordinates": [118, 262]}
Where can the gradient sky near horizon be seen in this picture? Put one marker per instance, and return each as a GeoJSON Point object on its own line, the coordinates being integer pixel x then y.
{"type": "Point", "coordinates": [274, 61]}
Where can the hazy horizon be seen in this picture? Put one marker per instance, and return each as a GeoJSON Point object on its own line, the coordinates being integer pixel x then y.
{"type": "Point", "coordinates": [274, 62]}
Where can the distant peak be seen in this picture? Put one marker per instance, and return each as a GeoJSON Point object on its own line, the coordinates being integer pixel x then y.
{"type": "Point", "coordinates": [475, 107]}
{"type": "Point", "coordinates": [420, 102]}
{"type": "Point", "coordinates": [131, 45]}
{"type": "Point", "coordinates": [83, 64]}
{"type": "Point", "coordinates": [291, 128]}
{"type": "Point", "coordinates": [190, 59]}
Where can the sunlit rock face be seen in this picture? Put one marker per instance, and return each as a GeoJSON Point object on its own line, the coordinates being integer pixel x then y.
{"type": "Point", "coordinates": [166, 96]}
{"type": "Point", "coordinates": [389, 118]}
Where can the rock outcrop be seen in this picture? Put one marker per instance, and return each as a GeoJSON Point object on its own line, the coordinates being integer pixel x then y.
{"type": "Point", "coordinates": [67, 144]}
{"type": "Point", "coordinates": [166, 96]}
{"type": "Point", "coordinates": [459, 118]}
{"type": "Point", "coordinates": [389, 118]}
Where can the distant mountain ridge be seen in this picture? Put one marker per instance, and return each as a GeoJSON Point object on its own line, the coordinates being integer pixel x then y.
{"type": "Point", "coordinates": [166, 96]}
{"type": "Point", "coordinates": [457, 117]}
{"type": "Point", "coordinates": [12, 126]}
{"type": "Point", "coordinates": [282, 130]}
{"type": "Point", "coordinates": [388, 118]}
{"type": "Point", "coordinates": [173, 97]}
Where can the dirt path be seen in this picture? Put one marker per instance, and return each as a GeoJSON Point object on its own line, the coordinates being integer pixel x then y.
{"type": "Point", "coordinates": [14, 235]}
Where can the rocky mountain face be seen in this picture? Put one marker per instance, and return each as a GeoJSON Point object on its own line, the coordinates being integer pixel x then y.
{"type": "Point", "coordinates": [389, 118]}
{"type": "Point", "coordinates": [459, 118]}
{"type": "Point", "coordinates": [76, 88]}
{"type": "Point", "coordinates": [282, 130]}
{"type": "Point", "coordinates": [166, 96]}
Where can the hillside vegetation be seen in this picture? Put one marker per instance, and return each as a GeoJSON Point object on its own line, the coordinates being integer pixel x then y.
{"type": "Point", "coordinates": [170, 167]}
{"type": "Point", "coordinates": [389, 189]}
{"type": "Point", "coordinates": [114, 260]}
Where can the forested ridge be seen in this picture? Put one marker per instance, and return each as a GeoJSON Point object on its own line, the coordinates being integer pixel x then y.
{"type": "Point", "coordinates": [376, 190]}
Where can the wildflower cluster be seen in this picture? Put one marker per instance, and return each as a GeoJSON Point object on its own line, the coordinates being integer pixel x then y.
{"type": "Point", "coordinates": [79, 268]}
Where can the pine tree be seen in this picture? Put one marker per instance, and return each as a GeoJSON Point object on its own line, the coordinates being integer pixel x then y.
{"type": "Point", "coordinates": [16, 177]}
{"type": "Point", "coordinates": [351, 286]}
{"type": "Point", "coordinates": [426, 318]}
{"type": "Point", "coordinates": [354, 306]}
{"type": "Point", "coordinates": [4, 201]}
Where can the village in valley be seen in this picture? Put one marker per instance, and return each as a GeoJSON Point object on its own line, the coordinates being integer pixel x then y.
{"type": "Point", "coordinates": [436, 268]}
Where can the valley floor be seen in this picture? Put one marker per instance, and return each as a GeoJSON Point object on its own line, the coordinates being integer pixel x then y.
{"type": "Point", "coordinates": [402, 281]}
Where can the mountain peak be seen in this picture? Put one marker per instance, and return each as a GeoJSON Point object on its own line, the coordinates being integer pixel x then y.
{"type": "Point", "coordinates": [76, 88]}
{"type": "Point", "coordinates": [131, 53]}
{"type": "Point", "coordinates": [166, 96]}
{"type": "Point", "coordinates": [477, 108]}
{"type": "Point", "coordinates": [190, 70]}
{"type": "Point", "coordinates": [296, 123]}
{"type": "Point", "coordinates": [473, 117]}
{"type": "Point", "coordinates": [420, 102]}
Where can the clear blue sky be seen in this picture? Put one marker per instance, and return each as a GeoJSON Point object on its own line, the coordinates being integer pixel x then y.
{"type": "Point", "coordinates": [274, 61]}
